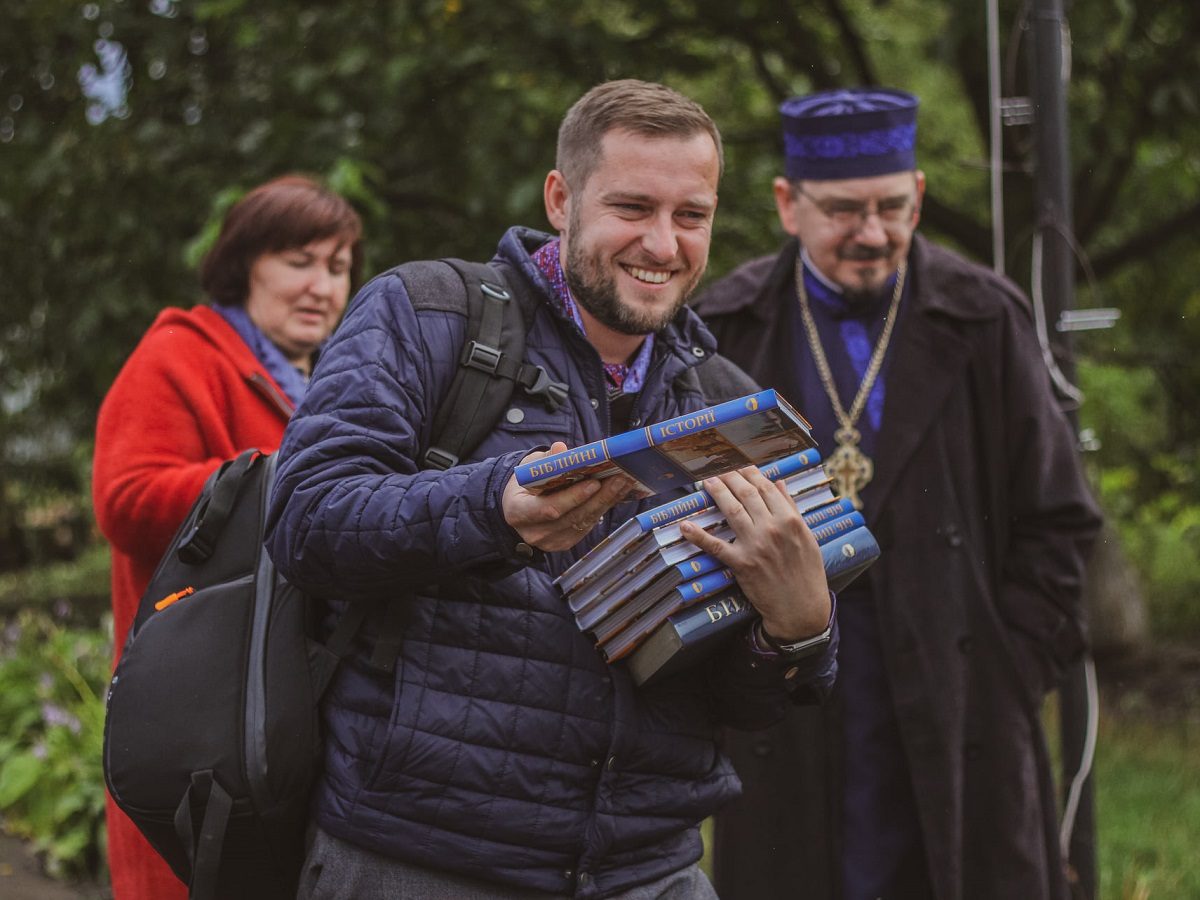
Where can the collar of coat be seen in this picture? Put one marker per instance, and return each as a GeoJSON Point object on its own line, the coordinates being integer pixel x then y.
{"type": "Point", "coordinates": [212, 327]}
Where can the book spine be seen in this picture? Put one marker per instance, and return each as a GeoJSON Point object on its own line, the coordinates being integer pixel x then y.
{"type": "Point", "coordinates": [697, 566]}
{"type": "Point", "coordinates": [625, 639]}
{"type": "Point", "coordinates": [714, 416]}
{"type": "Point", "coordinates": [848, 555]}
{"type": "Point", "coordinates": [704, 620]}
{"type": "Point", "coordinates": [709, 583]}
{"type": "Point", "coordinates": [791, 464]}
{"type": "Point", "coordinates": [688, 635]}
{"type": "Point", "coordinates": [829, 512]}
{"type": "Point", "coordinates": [671, 512]}
{"type": "Point", "coordinates": [827, 532]}
{"type": "Point", "coordinates": [561, 463]}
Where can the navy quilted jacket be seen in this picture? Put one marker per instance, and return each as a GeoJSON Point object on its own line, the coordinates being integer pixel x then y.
{"type": "Point", "coordinates": [503, 748]}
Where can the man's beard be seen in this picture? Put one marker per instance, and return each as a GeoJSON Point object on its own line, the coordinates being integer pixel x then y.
{"type": "Point", "coordinates": [860, 295]}
{"type": "Point", "coordinates": [595, 289]}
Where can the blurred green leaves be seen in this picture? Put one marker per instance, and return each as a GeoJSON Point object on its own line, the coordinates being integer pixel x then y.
{"type": "Point", "coordinates": [52, 683]}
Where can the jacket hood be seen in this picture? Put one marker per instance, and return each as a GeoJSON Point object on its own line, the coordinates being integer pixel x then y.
{"type": "Point", "coordinates": [207, 323]}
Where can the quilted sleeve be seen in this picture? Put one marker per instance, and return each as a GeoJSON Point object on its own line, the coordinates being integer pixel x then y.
{"type": "Point", "coordinates": [352, 514]}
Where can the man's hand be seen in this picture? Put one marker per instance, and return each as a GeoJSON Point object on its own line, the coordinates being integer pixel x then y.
{"type": "Point", "coordinates": [559, 520]}
{"type": "Point", "coordinates": [775, 558]}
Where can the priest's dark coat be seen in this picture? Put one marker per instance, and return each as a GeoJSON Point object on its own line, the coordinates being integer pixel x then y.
{"type": "Point", "coordinates": [984, 521]}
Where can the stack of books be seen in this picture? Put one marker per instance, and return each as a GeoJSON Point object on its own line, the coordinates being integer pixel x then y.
{"type": "Point", "coordinates": [648, 596]}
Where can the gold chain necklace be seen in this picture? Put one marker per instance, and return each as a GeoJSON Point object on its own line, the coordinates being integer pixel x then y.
{"type": "Point", "coordinates": [850, 468]}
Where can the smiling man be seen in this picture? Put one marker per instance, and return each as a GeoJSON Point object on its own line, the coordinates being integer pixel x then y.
{"type": "Point", "coordinates": [648, 208]}
{"type": "Point", "coordinates": [926, 776]}
{"type": "Point", "coordinates": [498, 756]}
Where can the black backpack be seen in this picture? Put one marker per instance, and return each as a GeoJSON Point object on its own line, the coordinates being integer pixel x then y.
{"type": "Point", "coordinates": [211, 739]}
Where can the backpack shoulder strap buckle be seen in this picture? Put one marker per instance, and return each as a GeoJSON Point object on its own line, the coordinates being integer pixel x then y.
{"type": "Point", "coordinates": [482, 357]}
{"type": "Point", "coordinates": [536, 382]}
{"type": "Point", "coordinates": [437, 458]}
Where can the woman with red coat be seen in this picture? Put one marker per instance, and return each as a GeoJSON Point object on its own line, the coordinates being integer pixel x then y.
{"type": "Point", "coordinates": [203, 385]}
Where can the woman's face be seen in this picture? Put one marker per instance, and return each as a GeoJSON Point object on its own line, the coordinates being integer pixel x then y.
{"type": "Point", "coordinates": [297, 295]}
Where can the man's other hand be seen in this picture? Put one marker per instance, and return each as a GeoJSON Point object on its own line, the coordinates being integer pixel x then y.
{"type": "Point", "coordinates": [774, 556]}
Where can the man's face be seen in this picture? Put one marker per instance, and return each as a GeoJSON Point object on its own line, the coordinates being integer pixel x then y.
{"type": "Point", "coordinates": [856, 231]}
{"type": "Point", "coordinates": [635, 236]}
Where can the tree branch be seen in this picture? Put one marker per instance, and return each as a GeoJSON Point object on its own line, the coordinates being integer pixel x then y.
{"type": "Point", "coordinates": [1147, 241]}
{"type": "Point", "coordinates": [853, 42]}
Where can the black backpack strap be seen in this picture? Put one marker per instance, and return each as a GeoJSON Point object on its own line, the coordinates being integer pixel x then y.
{"type": "Point", "coordinates": [203, 850]}
{"type": "Point", "coordinates": [201, 540]}
{"type": "Point", "coordinates": [487, 366]}
{"type": "Point", "coordinates": [533, 380]}
{"type": "Point", "coordinates": [389, 637]}
{"type": "Point", "coordinates": [324, 658]}
{"type": "Point", "coordinates": [491, 363]}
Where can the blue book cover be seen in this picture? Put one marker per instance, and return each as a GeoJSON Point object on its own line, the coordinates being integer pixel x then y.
{"type": "Point", "coordinates": [628, 628]}
{"type": "Point", "coordinates": [848, 555]}
{"type": "Point", "coordinates": [751, 430]}
{"type": "Point", "coordinates": [689, 635]}
{"type": "Point", "coordinates": [608, 551]}
{"type": "Point", "coordinates": [653, 583]}
{"type": "Point", "coordinates": [809, 489]}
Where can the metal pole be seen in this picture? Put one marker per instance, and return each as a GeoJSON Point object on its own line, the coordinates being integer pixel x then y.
{"type": "Point", "coordinates": [995, 136]}
{"type": "Point", "coordinates": [1052, 188]}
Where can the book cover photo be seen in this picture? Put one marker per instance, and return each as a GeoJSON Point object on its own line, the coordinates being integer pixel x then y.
{"type": "Point", "coordinates": [750, 430]}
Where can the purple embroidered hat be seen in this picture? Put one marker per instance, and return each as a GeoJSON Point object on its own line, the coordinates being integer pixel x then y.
{"type": "Point", "coordinates": [849, 133]}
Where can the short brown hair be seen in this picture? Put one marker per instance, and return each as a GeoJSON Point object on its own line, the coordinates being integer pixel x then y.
{"type": "Point", "coordinates": [642, 107]}
{"type": "Point", "coordinates": [285, 213]}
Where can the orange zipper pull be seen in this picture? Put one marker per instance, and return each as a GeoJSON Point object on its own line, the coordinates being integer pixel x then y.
{"type": "Point", "coordinates": [172, 598]}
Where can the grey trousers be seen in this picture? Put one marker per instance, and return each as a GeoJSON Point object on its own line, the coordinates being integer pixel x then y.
{"type": "Point", "coordinates": [337, 870]}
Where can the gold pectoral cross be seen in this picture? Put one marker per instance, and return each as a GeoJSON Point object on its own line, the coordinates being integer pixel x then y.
{"type": "Point", "coordinates": [849, 467]}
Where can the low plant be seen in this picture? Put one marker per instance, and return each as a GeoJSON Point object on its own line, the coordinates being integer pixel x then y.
{"type": "Point", "coordinates": [52, 683]}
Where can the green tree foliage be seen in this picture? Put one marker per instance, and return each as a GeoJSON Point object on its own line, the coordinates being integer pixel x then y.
{"type": "Point", "coordinates": [127, 127]}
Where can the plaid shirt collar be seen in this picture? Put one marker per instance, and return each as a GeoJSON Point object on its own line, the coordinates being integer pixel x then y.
{"type": "Point", "coordinates": [626, 379]}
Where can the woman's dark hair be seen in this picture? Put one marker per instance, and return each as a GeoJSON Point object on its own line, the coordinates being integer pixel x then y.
{"type": "Point", "coordinates": [285, 213]}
